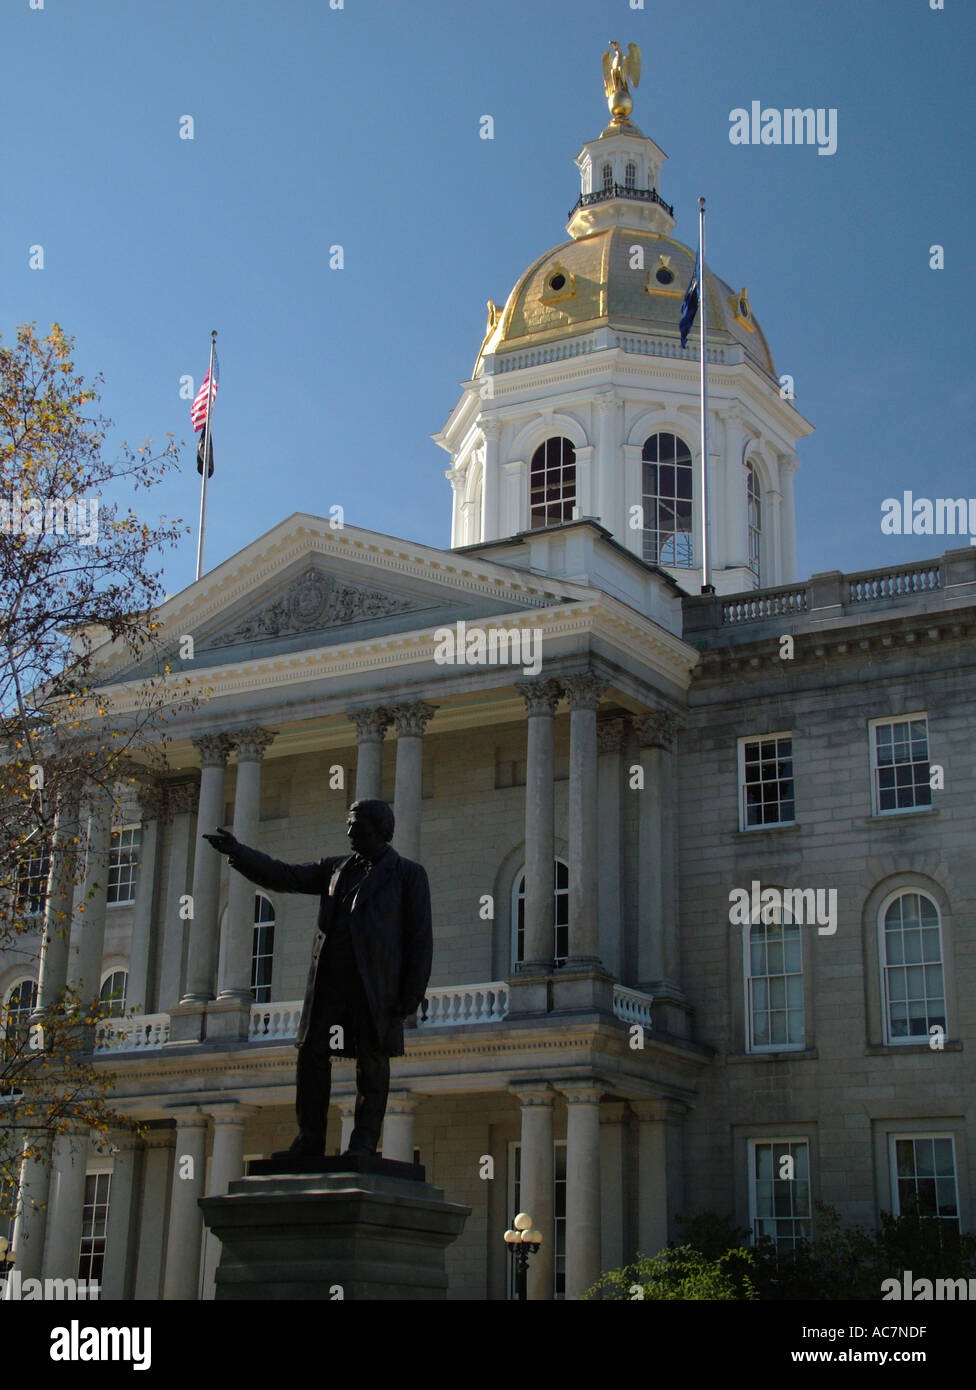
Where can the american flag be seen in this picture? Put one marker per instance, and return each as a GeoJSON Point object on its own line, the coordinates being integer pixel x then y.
{"type": "Point", "coordinates": [198, 410]}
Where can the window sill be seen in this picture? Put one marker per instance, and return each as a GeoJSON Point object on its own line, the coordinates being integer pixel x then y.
{"type": "Point", "coordinates": [129, 902]}
{"type": "Point", "coordinates": [786, 1054]}
{"type": "Point", "coordinates": [780, 828]}
{"type": "Point", "coordinates": [913, 1049]}
{"type": "Point", "coordinates": [917, 813]}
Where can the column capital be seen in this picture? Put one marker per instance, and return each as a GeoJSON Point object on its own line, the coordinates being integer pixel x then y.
{"type": "Point", "coordinates": [229, 1112]}
{"type": "Point", "coordinates": [658, 728]}
{"type": "Point", "coordinates": [541, 694]}
{"type": "Point", "coordinates": [611, 734]}
{"type": "Point", "coordinates": [402, 1102]}
{"type": "Point", "coordinates": [191, 1117]}
{"type": "Point", "coordinates": [582, 1092]}
{"type": "Point", "coordinates": [159, 1138]}
{"type": "Point", "coordinates": [371, 723]}
{"type": "Point", "coordinates": [490, 426]}
{"type": "Point", "coordinates": [123, 1141]}
{"type": "Point", "coordinates": [658, 1108]}
{"type": "Point", "coordinates": [533, 1092]}
{"type": "Point", "coordinates": [613, 1112]}
{"type": "Point", "coordinates": [212, 748]}
{"type": "Point", "coordinates": [181, 798]}
{"type": "Point", "coordinates": [606, 402]}
{"type": "Point", "coordinates": [584, 689]}
{"type": "Point", "coordinates": [411, 718]}
{"type": "Point", "coordinates": [250, 743]}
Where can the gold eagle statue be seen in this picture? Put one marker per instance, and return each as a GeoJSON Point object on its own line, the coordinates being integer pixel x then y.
{"type": "Point", "coordinates": [620, 73]}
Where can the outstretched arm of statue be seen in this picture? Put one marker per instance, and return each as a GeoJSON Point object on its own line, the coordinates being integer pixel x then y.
{"type": "Point", "coordinates": [271, 873]}
{"type": "Point", "coordinates": [418, 940]}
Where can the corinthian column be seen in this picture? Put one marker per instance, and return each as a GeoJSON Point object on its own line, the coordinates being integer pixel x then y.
{"type": "Point", "coordinates": [584, 691]}
{"type": "Point", "coordinates": [491, 428]}
{"type": "Point", "coordinates": [88, 935]}
{"type": "Point", "coordinates": [541, 698]}
{"type": "Point", "coordinates": [201, 966]}
{"type": "Point", "coordinates": [371, 726]}
{"type": "Point", "coordinates": [53, 971]}
{"type": "Point", "coordinates": [582, 1186]}
{"type": "Point", "coordinates": [411, 720]}
{"type": "Point", "coordinates": [236, 982]}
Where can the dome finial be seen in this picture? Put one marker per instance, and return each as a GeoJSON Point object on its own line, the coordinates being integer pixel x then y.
{"type": "Point", "coordinates": [619, 74]}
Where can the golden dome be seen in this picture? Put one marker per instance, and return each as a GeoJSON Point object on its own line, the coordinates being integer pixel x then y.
{"type": "Point", "coordinates": [599, 281]}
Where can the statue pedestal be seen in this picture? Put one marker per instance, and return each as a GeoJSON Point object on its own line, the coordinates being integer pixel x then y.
{"type": "Point", "coordinates": [333, 1228]}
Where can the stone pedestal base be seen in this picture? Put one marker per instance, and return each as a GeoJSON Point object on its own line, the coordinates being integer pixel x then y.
{"type": "Point", "coordinates": [332, 1235]}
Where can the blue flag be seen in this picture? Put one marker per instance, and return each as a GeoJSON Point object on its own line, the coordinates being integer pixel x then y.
{"type": "Point", "coordinates": [689, 305]}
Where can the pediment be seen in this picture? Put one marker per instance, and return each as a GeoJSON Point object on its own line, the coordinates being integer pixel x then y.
{"type": "Point", "coordinates": [314, 601]}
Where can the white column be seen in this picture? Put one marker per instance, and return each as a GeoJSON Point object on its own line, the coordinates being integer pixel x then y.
{"type": "Point", "coordinates": [584, 691]}
{"type": "Point", "coordinates": [633, 483]}
{"type": "Point", "coordinates": [613, 1185]}
{"type": "Point", "coordinates": [115, 1273]}
{"type": "Point", "coordinates": [537, 1179]}
{"type": "Point", "coordinates": [201, 965]}
{"type": "Point", "coordinates": [157, 1165]}
{"type": "Point", "coordinates": [53, 970]}
{"type": "Point", "coordinates": [151, 806]}
{"type": "Point", "coordinates": [236, 983]}
{"type": "Point", "coordinates": [66, 1206]}
{"type": "Point", "coordinates": [610, 887]}
{"type": "Point", "coordinates": [650, 946]}
{"type": "Point", "coordinates": [515, 497]}
{"type": "Point", "coordinates": [772, 519]}
{"type": "Point", "coordinates": [27, 1243]}
{"type": "Point", "coordinates": [541, 698]}
{"type": "Point", "coordinates": [585, 500]}
{"type": "Point", "coordinates": [184, 1238]}
{"type": "Point", "coordinates": [398, 1127]}
{"type": "Point", "coordinates": [608, 499]}
{"type": "Point", "coordinates": [176, 932]}
{"type": "Point", "coordinates": [347, 1117]}
{"type": "Point", "coordinates": [491, 428]}
{"type": "Point", "coordinates": [660, 1191]}
{"type": "Point", "coordinates": [226, 1165]}
{"type": "Point", "coordinates": [787, 468]}
{"type": "Point", "coordinates": [371, 726]}
{"type": "Point", "coordinates": [736, 511]}
{"type": "Point", "coordinates": [88, 929]}
{"type": "Point", "coordinates": [582, 1186]}
{"type": "Point", "coordinates": [411, 720]}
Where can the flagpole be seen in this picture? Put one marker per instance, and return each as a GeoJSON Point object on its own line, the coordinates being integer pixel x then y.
{"type": "Point", "coordinates": [706, 587]}
{"type": "Point", "coordinates": [202, 529]}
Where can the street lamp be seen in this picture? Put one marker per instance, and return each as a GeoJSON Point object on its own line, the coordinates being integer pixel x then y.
{"type": "Point", "coordinates": [523, 1241]}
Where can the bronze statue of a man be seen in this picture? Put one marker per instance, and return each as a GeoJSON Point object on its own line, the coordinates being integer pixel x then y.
{"type": "Point", "coordinates": [369, 971]}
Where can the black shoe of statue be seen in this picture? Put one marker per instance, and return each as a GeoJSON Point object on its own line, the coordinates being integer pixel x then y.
{"type": "Point", "coordinates": [303, 1147]}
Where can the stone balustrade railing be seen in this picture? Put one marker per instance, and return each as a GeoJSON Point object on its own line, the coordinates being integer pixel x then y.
{"type": "Point", "coordinates": [825, 597]}
{"type": "Point", "coordinates": [141, 1033]}
{"type": "Point", "coordinates": [447, 1006]}
{"type": "Point", "coordinates": [455, 1005]}
{"type": "Point", "coordinates": [631, 1006]}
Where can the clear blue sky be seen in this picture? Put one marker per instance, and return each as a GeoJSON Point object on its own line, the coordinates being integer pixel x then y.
{"type": "Point", "coordinates": [359, 126]}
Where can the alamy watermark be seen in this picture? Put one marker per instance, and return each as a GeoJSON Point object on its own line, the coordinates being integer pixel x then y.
{"type": "Point", "coordinates": [803, 906]}
{"type": "Point", "coordinates": [492, 646]}
{"type": "Point", "coordinates": [15, 1288]}
{"type": "Point", "coordinates": [795, 125]}
{"type": "Point", "coordinates": [925, 516]}
{"type": "Point", "coordinates": [30, 516]}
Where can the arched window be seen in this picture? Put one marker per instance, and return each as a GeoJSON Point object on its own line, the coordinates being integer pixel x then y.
{"type": "Point", "coordinates": [754, 502]}
{"type": "Point", "coordinates": [607, 177]}
{"type": "Point", "coordinates": [552, 483]}
{"type": "Point", "coordinates": [18, 1005]}
{"type": "Point", "coordinates": [667, 489]}
{"type": "Point", "coordinates": [262, 949]}
{"type": "Point", "coordinates": [113, 992]}
{"type": "Point", "coordinates": [911, 967]}
{"type": "Point", "coordinates": [774, 984]}
{"type": "Point", "coordinates": [560, 914]}
{"type": "Point", "coordinates": [630, 176]}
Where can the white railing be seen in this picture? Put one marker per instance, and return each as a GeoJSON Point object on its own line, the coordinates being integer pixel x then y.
{"type": "Point", "coordinates": [780, 603]}
{"type": "Point", "coordinates": [274, 1021]}
{"type": "Point", "coordinates": [630, 1006]}
{"type": "Point", "coordinates": [452, 1006]}
{"type": "Point", "coordinates": [919, 579]}
{"type": "Point", "coordinates": [143, 1033]}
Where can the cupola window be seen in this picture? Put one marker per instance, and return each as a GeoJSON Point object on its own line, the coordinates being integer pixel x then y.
{"type": "Point", "coordinates": [552, 483]}
{"type": "Point", "coordinates": [607, 177]}
{"type": "Point", "coordinates": [630, 176]}
{"type": "Point", "coordinates": [754, 497]}
{"type": "Point", "coordinates": [667, 488]}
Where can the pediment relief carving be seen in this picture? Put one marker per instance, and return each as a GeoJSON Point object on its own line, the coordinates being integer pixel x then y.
{"type": "Point", "coordinates": [311, 602]}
